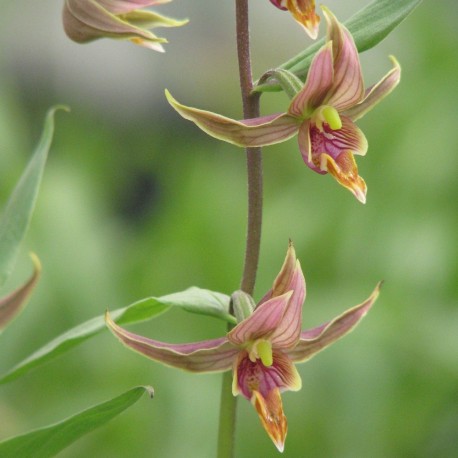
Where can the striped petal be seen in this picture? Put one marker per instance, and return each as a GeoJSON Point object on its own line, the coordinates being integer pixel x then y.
{"type": "Point", "coordinates": [377, 92]}
{"type": "Point", "coordinates": [348, 85]}
{"type": "Point", "coordinates": [213, 355]}
{"type": "Point", "coordinates": [282, 282]}
{"type": "Point", "coordinates": [262, 131]}
{"type": "Point", "coordinates": [305, 147]}
{"type": "Point", "coordinates": [314, 340]}
{"type": "Point", "coordinates": [333, 142]}
{"type": "Point", "coordinates": [288, 331]}
{"type": "Point", "coordinates": [88, 20]}
{"type": "Point", "coordinates": [125, 6]}
{"type": "Point", "coordinates": [262, 322]}
{"type": "Point", "coordinates": [319, 81]}
{"type": "Point", "coordinates": [250, 376]}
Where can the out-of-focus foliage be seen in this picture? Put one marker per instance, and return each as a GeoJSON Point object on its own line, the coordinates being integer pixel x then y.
{"type": "Point", "coordinates": [136, 202]}
{"type": "Point", "coordinates": [50, 440]}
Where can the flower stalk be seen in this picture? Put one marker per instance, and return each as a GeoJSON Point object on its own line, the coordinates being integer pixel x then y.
{"type": "Point", "coordinates": [250, 103]}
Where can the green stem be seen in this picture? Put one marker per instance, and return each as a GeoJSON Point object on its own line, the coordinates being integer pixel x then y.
{"type": "Point", "coordinates": [253, 237]}
{"type": "Point", "coordinates": [227, 413]}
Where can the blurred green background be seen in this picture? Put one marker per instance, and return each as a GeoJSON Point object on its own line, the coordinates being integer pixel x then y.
{"type": "Point", "coordinates": [138, 202]}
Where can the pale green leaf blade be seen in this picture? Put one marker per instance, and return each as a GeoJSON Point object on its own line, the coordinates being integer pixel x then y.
{"type": "Point", "coordinates": [369, 27]}
{"type": "Point", "coordinates": [50, 440]}
{"type": "Point", "coordinates": [195, 300]}
{"type": "Point", "coordinates": [18, 212]}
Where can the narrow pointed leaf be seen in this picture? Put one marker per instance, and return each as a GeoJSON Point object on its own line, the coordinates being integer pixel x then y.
{"type": "Point", "coordinates": [193, 299]}
{"type": "Point", "coordinates": [369, 27]}
{"type": "Point", "coordinates": [16, 217]}
{"type": "Point", "coordinates": [50, 440]}
{"type": "Point", "coordinates": [13, 303]}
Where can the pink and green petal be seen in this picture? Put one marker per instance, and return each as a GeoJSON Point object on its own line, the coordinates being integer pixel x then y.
{"type": "Point", "coordinates": [150, 20]}
{"type": "Point", "coordinates": [287, 333]}
{"type": "Point", "coordinates": [213, 355]}
{"type": "Point", "coordinates": [262, 131]}
{"type": "Point", "coordinates": [270, 411]}
{"type": "Point", "coordinates": [262, 322]}
{"type": "Point", "coordinates": [12, 304]}
{"type": "Point", "coordinates": [319, 81]}
{"type": "Point", "coordinates": [345, 171]}
{"type": "Point", "coordinates": [125, 6]}
{"type": "Point", "coordinates": [84, 26]}
{"type": "Point", "coordinates": [348, 85]}
{"type": "Point", "coordinates": [250, 376]}
{"type": "Point", "coordinates": [314, 340]}
{"type": "Point", "coordinates": [88, 20]}
{"type": "Point", "coordinates": [283, 281]}
{"type": "Point", "coordinates": [377, 92]}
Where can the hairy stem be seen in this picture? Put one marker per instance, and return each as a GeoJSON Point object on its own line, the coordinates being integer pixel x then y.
{"type": "Point", "coordinates": [253, 237]}
{"type": "Point", "coordinates": [253, 155]}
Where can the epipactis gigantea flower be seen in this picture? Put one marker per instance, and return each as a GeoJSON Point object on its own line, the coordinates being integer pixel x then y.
{"type": "Point", "coordinates": [322, 112]}
{"type": "Point", "coordinates": [261, 349]}
{"type": "Point", "coordinates": [303, 12]}
{"type": "Point", "coordinates": [87, 20]}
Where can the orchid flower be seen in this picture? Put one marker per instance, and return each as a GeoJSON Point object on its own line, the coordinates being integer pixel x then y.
{"type": "Point", "coordinates": [87, 20]}
{"type": "Point", "coordinates": [322, 112]}
{"type": "Point", "coordinates": [261, 349]}
{"type": "Point", "coordinates": [303, 12]}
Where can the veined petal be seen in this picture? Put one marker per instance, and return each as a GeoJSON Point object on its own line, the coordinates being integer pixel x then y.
{"type": "Point", "coordinates": [124, 6]}
{"type": "Point", "coordinates": [88, 20]}
{"type": "Point", "coordinates": [345, 171]}
{"type": "Point", "coordinates": [213, 355]}
{"type": "Point", "coordinates": [270, 411]}
{"type": "Point", "coordinates": [305, 147]}
{"type": "Point", "coordinates": [150, 19]}
{"type": "Point", "coordinates": [333, 142]}
{"type": "Point", "coordinates": [348, 85]}
{"type": "Point", "coordinates": [253, 376]}
{"type": "Point", "coordinates": [262, 322]}
{"type": "Point", "coordinates": [262, 131]}
{"type": "Point", "coordinates": [319, 81]}
{"type": "Point", "coordinates": [314, 340]}
{"type": "Point", "coordinates": [303, 12]}
{"type": "Point", "coordinates": [287, 333]}
{"type": "Point", "coordinates": [377, 92]}
{"type": "Point", "coordinates": [282, 282]}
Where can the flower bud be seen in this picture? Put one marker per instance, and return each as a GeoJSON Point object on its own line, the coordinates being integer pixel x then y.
{"type": "Point", "coordinates": [242, 304]}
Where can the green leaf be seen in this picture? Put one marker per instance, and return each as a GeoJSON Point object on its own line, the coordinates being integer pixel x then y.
{"type": "Point", "coordinates": [194, 300]}
{"type": "Point", "coordinates": [19, 209]}
{"type": "Point", "coordinates": [369, 27]}
{"type": "Point", "coordinates": [50, 440]}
